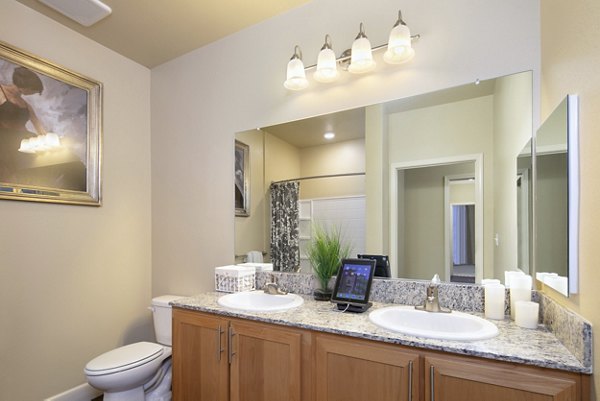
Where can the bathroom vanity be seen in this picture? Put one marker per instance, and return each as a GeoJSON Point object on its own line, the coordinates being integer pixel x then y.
{"type": "Point", "coordinates": [314, 353]}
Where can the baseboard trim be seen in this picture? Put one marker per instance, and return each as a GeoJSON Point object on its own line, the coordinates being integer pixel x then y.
{"type": "Point", "coordinates": [79, 393]}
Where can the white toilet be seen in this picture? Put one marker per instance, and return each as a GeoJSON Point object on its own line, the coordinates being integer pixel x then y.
{"type": "Point", "coordinates": [138, 371]}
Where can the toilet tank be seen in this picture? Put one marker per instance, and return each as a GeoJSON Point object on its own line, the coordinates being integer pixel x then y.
{"type": "Point", "coordinates": [161, 311]}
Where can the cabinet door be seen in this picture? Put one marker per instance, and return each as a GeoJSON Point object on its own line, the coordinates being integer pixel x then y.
{"type": "Point", "coordinates": [459, 379]}
{"type": "Point", "coordinates": [357, 370]}
{"type": "Point", "coordinates": [200, 368]}
{"type": "Point", "coordinates": [266, 362]}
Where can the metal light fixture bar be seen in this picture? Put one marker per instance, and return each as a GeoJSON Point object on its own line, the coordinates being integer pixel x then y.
{"type": "Point", "coordinates": [346, 54]}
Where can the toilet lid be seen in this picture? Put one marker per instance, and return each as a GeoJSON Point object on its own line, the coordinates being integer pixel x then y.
{"type": "Point", "coordinates": [124, 358]}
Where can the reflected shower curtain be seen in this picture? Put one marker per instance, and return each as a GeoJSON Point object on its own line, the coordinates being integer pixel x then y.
{"type": "Point", "coordinates": [285, 236]}
{"type": "Point", "coordinates": [463, 234]}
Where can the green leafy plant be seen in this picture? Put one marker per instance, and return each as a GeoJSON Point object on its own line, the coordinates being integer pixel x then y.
{"type": "Point", "coordinates": [325, 253]}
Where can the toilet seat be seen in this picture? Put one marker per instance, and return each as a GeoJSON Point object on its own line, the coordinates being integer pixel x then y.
{"type": "Point", "coordinates": [124, 358]}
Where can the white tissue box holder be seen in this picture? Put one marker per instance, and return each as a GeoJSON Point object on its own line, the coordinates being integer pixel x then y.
{"type": "Point", "coordinates": [234, 278]}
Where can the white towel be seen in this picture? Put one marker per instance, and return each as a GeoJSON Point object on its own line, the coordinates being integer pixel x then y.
{"type": "Point", "coordinates": [254, 257]}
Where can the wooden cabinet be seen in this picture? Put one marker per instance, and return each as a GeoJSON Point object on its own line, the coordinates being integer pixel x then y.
{"type": "Point", "coordinates": [266, 363]}
{"type": "Point", "coordinates": [200, 366]}
{"type": "Point", "coordinates": [222, 359]}
{"type": "Point", "coordinates": [357, 370]}
{"type": "Point", "coordinates": [217, 359]}
{"type": "Point", "coordinates": [451, 378]}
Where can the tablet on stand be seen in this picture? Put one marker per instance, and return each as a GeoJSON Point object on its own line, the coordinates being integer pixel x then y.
{"type": "Point", "coordinates": [353, 285]}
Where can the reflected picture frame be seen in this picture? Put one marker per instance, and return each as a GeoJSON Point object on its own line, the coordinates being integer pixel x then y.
{"type": "Point", "coordinates": [242, 179]}
{"type": "Point", "coordinates": [50, 145]}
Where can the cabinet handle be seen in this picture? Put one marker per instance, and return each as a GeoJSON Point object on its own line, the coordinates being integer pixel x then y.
{"type": "Point", "coordinates": [220, 348]}
{"type": "Point", "coordinates": [431, 381]}
{"type": "Point", "coordinates": [231, 353]}
{"type": "Point", "coordinates": [410, 380]}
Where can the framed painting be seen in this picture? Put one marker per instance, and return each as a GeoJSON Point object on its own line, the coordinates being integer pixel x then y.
{"type": "Point", "coordinates": [50, 131]}
{"type": "Point", "coordinates": [242, 179]}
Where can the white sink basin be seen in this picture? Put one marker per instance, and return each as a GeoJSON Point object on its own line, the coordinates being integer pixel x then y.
{"type": "Point", "coordinates": [258, 301]}
{"type": "Point", "coordinates": [442, 326]}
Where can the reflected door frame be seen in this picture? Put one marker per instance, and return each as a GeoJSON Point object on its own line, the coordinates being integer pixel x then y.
{"type": "Point", "coordinates": [395, 168]}
{"type": "Point", "coordinates": [448, 218]}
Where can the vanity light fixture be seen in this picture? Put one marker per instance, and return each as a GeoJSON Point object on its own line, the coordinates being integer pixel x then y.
{"type": "Point", "coordinates": [357, 60]}
{"type": "Point", "coordinates": [329, 135]}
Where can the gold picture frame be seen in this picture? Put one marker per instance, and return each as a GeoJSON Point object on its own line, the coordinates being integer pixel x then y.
{"type": "Point", "coordinates": [50, 131]}
{"type": "Point", "coordinates": [242, 179]}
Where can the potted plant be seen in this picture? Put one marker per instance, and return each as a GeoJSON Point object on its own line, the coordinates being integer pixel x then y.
{"type": "Point", "coordinates": [325, 253]}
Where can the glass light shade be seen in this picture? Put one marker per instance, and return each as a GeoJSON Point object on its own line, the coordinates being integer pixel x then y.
{"type": "Point", "coordinates": [326, 66]}
{"type": "Point", "coordinates": [361, 60]}
{"type": "Point", "coordinates": [399, 46]}
{"type": "Point", "coordinates": [296, 76]}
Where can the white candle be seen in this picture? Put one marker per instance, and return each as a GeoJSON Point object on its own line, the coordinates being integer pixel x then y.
{"type": "Point", "coordinates": [527, 314]}
{"type": "Point", "coordinates": [520, 290]}
{"type": "Point", "coordinates": [495, 295]}
{"type": "Point", "coordinates": [509, 274]}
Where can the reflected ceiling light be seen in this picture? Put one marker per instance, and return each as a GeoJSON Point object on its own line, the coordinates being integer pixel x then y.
{"type": "Point", "coordinates": [326, 63]}
{"type": "Point", "coordinates": [357, 60]}
{"type": "Point", "coordinates": [329, 135]}
{"type": "Point", "coordinates": [399, 48]}
{"type": "Point", "coordinates": [296, 76]}
{"type": "Point", "coordinates": [361, 59]}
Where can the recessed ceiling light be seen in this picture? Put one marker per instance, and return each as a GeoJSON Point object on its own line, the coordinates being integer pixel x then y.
{"type": "Point", "coordinates": [329, 136]}
{"type": "Point", "coordinates": [85, 12]}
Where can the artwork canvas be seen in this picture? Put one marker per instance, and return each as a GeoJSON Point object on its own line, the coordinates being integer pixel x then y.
{"type": "Point", "coordinates": [50, 121]}
{"type": "Point", "coordinates": [242, 176]}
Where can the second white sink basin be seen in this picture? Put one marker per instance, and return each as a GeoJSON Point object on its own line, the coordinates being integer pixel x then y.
{"type": "Point", "coordinates": [442, 326]}
{"type": "Point", "coordinates": [258, 301]}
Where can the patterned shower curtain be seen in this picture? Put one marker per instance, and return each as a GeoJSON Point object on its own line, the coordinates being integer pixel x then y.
{"type": "Point", "coordinates": [285, 236]}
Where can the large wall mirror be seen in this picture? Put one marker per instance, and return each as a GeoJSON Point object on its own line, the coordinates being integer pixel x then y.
{"type": "Point", "coordinates": [437, 182]}
{"type": "Point", "coordinates": [557, 198]}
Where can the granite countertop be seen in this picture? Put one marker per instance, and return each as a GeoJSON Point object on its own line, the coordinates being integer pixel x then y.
{"type": "Point", "coordinates": [513, 344]}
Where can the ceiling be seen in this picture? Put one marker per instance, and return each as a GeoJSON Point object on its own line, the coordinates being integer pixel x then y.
{"type": "Point", "coordinates": [350, 124]}
{"type": "Point", "coordinates": [152, 32]}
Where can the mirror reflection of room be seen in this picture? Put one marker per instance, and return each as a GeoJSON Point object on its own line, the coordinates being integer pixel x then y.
{"type": "Point", "coordinates": [490, 121]}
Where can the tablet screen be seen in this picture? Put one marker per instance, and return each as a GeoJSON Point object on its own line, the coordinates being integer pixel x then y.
{"type": "Point", "coordinates": [353, 281]}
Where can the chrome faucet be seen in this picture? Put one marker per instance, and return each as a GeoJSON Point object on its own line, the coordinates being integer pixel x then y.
{"type": "Point", "coordinates": [272, 288]}
{"type": "Point", "coordinates": [431, 303]}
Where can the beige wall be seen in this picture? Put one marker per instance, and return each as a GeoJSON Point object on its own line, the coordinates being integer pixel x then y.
{"type": "Point", "coordinates": [336, 158]}
{"type": "Point", "coordinates": [250, 231]}
{"type": "Point", "coordinates": [570, 62]}
{"type": "Point", "coordinates": [75, 280]}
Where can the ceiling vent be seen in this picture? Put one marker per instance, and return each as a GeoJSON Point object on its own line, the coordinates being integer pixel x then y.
{"type": "Point", "coordinates": [85, 12]}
